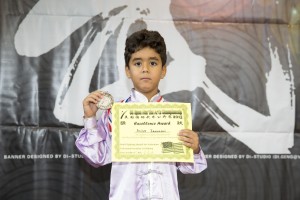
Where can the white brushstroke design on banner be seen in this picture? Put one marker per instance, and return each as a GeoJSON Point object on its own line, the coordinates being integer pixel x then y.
{"type": "Point", "coordinates": [263, 134]}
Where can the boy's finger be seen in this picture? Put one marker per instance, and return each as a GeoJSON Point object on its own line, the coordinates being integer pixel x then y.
{"type": "Point", "coordinates": [185, 139]}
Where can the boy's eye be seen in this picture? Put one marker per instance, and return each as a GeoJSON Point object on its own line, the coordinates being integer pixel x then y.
{"type": "Point", "coordinates": [153, 63]}
{"type": "Point", "coordinates": [138, 64]}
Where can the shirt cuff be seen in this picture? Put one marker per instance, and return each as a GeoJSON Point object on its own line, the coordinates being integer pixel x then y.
{"type": "Point", "coordinates": [90, 123]}
{"type": "Point", "coordinates": [200, 154]}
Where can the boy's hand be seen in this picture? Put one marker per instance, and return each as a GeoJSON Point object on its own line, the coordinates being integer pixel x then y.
{"type": "Point", "coordinates": [190, 139]}
{"type": "Point", "coordinates": [90, 103]}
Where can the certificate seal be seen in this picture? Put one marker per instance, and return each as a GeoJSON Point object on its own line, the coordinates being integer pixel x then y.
{"type": "Point", "coordinates": [106, 102]}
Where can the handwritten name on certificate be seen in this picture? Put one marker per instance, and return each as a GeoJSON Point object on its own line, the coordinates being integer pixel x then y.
{"type": "Point", "coordinates": [148, 132]}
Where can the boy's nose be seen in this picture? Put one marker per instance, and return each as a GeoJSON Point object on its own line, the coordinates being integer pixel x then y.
{"type": "Point", "coordinates": [145, 68]}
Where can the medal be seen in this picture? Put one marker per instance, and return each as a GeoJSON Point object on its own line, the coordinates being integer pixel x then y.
{"type": "Point", "coordinates": [106, 102]}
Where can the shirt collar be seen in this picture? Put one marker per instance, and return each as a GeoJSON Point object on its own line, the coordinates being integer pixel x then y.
{"type": "Point", "coordinates": [136, 96]}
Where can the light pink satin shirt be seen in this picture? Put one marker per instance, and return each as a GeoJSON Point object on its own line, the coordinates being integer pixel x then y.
{"type": "Point", "coordinates": [134, 181]}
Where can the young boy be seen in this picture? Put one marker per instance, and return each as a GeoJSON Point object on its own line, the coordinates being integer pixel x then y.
{"type": "Point", "coordinates": [145, 59]}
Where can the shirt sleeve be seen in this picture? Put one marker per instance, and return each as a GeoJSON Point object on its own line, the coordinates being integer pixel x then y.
{"type": "Point", "coordinates": [94, 141]}
{"type": "Point", "coordinates": [198, 166]}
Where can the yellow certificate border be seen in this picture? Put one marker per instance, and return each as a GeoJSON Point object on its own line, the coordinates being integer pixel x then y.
{"type": "Point", "coordinates": [187, 156]}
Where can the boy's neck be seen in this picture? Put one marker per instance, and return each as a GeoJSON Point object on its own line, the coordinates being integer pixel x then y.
{"type": "Point", "coordinates": [149, 96]}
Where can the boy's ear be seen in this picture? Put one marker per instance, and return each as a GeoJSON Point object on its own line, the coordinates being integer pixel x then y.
{"type": "Point", "coordinates": [164, 72]}
{"type": "Point", "coordinates": [127, 71]}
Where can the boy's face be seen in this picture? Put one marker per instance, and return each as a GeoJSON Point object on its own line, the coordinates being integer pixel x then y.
{"type": "Point", "coordinates": [145, 70]}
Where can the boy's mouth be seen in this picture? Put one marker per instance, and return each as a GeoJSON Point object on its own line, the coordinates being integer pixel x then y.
{"type": "Point", "coordinates": [145, 78]}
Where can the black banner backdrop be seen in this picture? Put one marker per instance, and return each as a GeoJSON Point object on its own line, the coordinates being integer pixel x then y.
{"type": "Point", "coordinates": [236, 61]}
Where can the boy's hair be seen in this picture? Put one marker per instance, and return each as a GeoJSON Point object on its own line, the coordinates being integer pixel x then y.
{"type": "Point", "coordinates": [142, 39]}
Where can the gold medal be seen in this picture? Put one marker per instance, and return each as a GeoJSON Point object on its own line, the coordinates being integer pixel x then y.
{"type": "Point", "coordinates": [106, 102]}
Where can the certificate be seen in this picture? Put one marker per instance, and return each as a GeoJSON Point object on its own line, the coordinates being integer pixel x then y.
{"type": "Point", "coordinates": [148, 132]}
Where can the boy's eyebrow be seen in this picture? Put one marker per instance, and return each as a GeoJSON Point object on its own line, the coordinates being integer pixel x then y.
{"type": "Point", "coordinates": [154, 58]}
{"type": "Point", "coordinates": [134, 59]}
{"type": "Point", "coordinates": [151, 58]}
